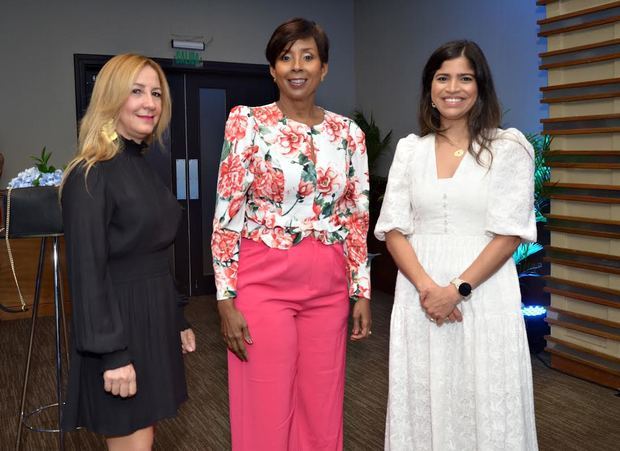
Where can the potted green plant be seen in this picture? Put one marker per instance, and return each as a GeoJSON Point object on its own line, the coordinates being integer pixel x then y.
{"type": "Point", "coordinates": [376, 145]}
{"type": "Point", "coordinates": [383, 274]}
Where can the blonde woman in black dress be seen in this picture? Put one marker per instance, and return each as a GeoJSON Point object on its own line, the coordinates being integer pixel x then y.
{"type": "Point", "coordinates": [120, 221]}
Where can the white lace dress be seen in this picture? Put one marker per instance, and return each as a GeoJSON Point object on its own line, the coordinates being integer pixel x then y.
{"type": "Point", "coordinates": [461, 386]}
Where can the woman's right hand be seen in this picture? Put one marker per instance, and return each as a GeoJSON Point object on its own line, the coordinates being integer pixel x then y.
{"type": "Point", "coordinates": [425, 287]}
{"type": "Point", "coordinates": [120, 381]}
{"type": "Point", "coordinates": [234, 329]}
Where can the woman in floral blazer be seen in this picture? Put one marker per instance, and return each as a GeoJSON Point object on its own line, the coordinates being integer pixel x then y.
{"type": "Point", "coordinates": [289, 252]}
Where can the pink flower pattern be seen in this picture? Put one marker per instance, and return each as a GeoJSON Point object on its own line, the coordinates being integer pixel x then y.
{"type": "Point", "coordinates": [270, 189]}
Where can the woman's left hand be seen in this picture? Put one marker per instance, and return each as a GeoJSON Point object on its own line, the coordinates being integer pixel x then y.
{"type": "Point", "coordinates": [439, 302]}
{"type": "Point", "coordinates": [361, 320]}
{"type": "Point", "coordinates": [188, 341]}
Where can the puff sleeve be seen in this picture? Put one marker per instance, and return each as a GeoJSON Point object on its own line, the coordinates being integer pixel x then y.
{"type": "Point", "coordinates": [510, 209]}
{"type": "Point", "coordinates": [234, 179]}
{"type": "Point", "coordinates": [87, 212]}
{"type": "Point", "coordinates": [396, 210]}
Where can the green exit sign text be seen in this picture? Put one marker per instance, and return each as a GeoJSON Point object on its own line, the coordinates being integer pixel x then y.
{"type": "Point", "coordinates": [187, 58]}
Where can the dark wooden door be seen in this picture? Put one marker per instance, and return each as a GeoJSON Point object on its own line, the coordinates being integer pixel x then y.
{"type": "Point", "coordinates": [201, 103]}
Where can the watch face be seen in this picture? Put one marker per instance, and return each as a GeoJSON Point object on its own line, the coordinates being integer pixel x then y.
{"type": "Point", "coordinates": [465, 289]}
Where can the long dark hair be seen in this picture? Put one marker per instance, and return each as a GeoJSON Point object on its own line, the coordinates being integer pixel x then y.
{"type": "Point", "coordinates": [485, 115]}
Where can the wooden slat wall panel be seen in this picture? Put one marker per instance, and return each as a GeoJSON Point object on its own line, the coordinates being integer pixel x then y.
{"type": "Point", "coordinates": [581, 48]}
{"type": "Point", "coordinates": [582, 192]}
{"type": "Point", "coordinates": [586, 18]}
{"type": "Point", "coordinates": [592, 261]}
{"type": "Point", "coordinates": [580, 92]}
{"type": "Point", "coordinates": [589, 57]}
{"type": "Point", "coordinates": [583, 95]}
{"type": "Point", "coordinates": [571, 345]}
{"type": "Point", "coordinates": [594, 23]}
{"type": "Point", "coordinates": [556, 8]}
{"type": "Point", "coordinates": [583, 124]}
{"type": "Point", "coordinates": [583, 369]}
{"type": "Point", "coordinates": [581, 84]}
{"type": "Point", "coordinates": [611, 327]}
{"type": "Point", "coordinates": [584, 226]}
{"type": "Point", "coordinates": [593, 159]}
{"type": "Point", "coordinates": [581, 13]}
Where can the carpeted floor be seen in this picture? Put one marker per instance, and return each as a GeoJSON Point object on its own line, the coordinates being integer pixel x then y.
{"type": "Point", "coordinates": [571, 414]}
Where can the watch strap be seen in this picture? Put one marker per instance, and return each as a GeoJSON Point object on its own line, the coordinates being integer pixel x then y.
{"type": "Point", "coordinates": [457, 283]}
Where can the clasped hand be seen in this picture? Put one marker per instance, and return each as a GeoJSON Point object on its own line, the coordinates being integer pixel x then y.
{"type": "Point", "coordinates": [440, 303]}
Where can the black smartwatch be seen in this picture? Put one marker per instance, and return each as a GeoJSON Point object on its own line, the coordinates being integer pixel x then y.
{"type": "Point", "coordinates": [463, 287]}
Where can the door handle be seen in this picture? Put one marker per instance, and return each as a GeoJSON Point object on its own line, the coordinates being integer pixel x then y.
{"type": "Point", "coordinates": [181, 180]}
{"type": "Point", "coordinates": [193, 180]}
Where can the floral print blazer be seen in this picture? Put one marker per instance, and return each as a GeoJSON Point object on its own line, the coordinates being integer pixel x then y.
{"type": "Point", "coordinates": [269, 189]}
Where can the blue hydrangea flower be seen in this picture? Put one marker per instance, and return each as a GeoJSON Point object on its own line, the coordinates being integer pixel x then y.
{"type": "Point", "coordinates": [51, 178]}
{"type": "Point", "coordinates": [33, 177]}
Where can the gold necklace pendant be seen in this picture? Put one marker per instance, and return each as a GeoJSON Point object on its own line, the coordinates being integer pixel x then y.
{"type": "Point", "coordinates": [459, 153]}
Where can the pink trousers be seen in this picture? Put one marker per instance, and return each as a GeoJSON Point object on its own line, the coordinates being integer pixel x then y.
{"type": "Point", "coordinates": [289, 394]}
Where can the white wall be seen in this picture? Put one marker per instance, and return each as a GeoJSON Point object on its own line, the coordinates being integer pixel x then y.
{"type": "Point", "coordinates": [394, 38]}
{"type": "Point", "coordinates": [38, 40]}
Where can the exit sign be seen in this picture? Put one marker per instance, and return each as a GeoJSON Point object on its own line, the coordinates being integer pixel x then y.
{"type": "Point", "coordinates": [187, 58]}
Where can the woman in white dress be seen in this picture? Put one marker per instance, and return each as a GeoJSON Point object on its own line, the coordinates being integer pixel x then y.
{"type": "Point", "coordinates": [459, 200]}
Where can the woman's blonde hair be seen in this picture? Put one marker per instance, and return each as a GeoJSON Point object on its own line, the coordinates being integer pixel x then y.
{"type": "Point", "coordinates": [112, 88]}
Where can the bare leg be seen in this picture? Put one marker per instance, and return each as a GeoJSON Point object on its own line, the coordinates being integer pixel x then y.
{"type": "Point", "coordinates": [141, 440]}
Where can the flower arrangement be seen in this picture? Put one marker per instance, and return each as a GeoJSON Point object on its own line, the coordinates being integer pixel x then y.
{"type": "Point", "coordinates": [41, 174]}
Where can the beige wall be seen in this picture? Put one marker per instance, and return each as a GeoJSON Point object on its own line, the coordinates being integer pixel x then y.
{"type": "Point", "coordinates": [38, 40]}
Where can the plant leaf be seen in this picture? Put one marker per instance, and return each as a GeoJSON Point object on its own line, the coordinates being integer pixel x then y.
{"type": "Point", "coordinates": [375, 144]}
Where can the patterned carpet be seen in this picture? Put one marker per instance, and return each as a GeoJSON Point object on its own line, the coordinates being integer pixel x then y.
{"type": "Point", "coordinates": [571, 414]}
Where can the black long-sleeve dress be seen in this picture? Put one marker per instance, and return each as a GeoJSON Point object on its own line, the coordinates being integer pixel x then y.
{"type": "Point", "coordinates": [119, 226]}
